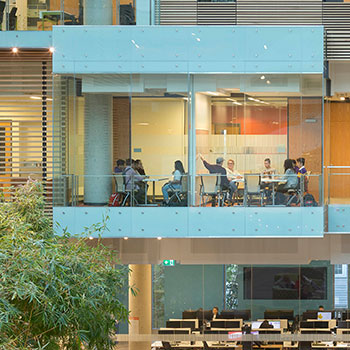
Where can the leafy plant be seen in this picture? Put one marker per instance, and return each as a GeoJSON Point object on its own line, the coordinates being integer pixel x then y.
{"type": "Point", "coordinates": [231, 301]}
{"type": "Point", "coordinates": [56, 292]}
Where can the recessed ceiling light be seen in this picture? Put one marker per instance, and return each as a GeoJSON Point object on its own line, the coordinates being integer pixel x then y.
{"type": "Point", "coordinates": [126, 238]}
{"type": "Point", "coordinates": [159, 238]}
{"type": "Point", "coordinates": [14, 49]}
{"type": "Point", "coordinates": [52, 49]}
{"type": "Point", "coordinates": [342, 98]}
{"type": "Point", "coordinates": [262, 77]}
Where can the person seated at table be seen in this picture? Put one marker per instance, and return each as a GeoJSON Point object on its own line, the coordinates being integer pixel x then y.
{"type": "Point", "coordinates": [215, 313]}
{"type": "Point", "coordinates": [289, 178]}
{"type": "Point", "coordinates": [120, 166]}
{"type": "Point", "coordinates": [268, 170]}
{"type": "Point", "coordinates": [265, 324]}
{"type": "Point", "coordinates": [290, 181]}
{"type": "Point", "coordinates": [302, 172]}
{"type": "Point", "coordinates": [321, 308]}
{"type": "Point", "coordinates": [175, 184]}
{"type": "Point", "coordinates": [132, 181]}
{"type": "Point", "coordinates": [232, 176]}
{"type": "Point", "coordinates": [295, 166]}
{"type": "Point", "coordinates": [267, 173]}
{"type": "Point", "coordinates": [139, 167]}
{"type": "Point", "coordinates": [218, 168]}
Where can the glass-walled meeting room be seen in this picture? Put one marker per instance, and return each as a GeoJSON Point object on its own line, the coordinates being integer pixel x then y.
{"type": "Point", "coordinates": [209, 140]}
{"type": "Point", "coordinates": [279, 305]}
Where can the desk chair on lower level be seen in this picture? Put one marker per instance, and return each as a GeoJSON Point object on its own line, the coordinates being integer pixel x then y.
{"type": "Point", "coordinates": [166, 345]}
{"type": "Point", "coordinates": [205, 346]}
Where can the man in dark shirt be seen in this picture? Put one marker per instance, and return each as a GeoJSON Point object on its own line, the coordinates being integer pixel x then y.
{"type": "Point", "coordinates": [120, 166]}
{"type": "Point", "coordinates": [219, 169]}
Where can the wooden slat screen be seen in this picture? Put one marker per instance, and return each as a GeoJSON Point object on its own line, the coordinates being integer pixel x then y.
{"type": "Point", "coordinates": [178, 12]}
{"type": "Point", "coordinates": [216, 13]}
{"type": "Point", "coordinates": [26, 146]}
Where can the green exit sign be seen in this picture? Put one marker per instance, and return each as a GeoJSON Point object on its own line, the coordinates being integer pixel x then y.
{"type": "Point", "coordinates": [168, 262]}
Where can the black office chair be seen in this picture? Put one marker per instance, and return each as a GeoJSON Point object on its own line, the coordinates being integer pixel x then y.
{"type": "Point", "coordinates": [13, 19]}
{"type": "Point", "coordinates": [166, 345]}
{"type": "Point", "coordinates": [205, 346]}
{"type": "Point", "coordinates": [126, 15]}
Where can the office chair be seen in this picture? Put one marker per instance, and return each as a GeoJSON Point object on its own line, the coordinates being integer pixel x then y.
{"type": "Point", "coordinates": [126, 15]}
{"type": "Point", "coordinates": [210, 187]}
{"type": "Point", "coordinates": [205, 346]}
{"type": "Point", "coordinates": [166, 345]}
{"type": "Point", "coordinates": [13, 19]}
{"type": "Point", "coordinates": [179, 196]}
{"type": "Point", "coordinates": [252, 188]}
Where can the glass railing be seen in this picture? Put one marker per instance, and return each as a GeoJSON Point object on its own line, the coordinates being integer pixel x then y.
{"type": "Point", "coordinates": [210, 190]}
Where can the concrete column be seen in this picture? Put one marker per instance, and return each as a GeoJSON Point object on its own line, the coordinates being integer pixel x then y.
{"type": "Point", "coordinates": [98, 12]}
{"type": "Point", "coordinates": [98, 149]}
{"type": "Point", "coordinates": [140, 306]}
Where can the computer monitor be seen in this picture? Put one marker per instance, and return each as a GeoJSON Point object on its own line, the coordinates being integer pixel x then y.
{"type": "Point", "coordinates": [204, 314]}
{"type": "Point", "coordinates": [243, 314]}
{"type": "Point", "coordinates": [226, 324]}
{"type": "Point", "coordinates": [324, 315]}
{"type": "Point", "coordinates": [181, 324]}
{"type": "Point", "coordinates": [189, 314]}
{"type": "Point", "coordinates": [343, 324]}
{"type": "Point", "coordinates": [227, 314]}
{"type": "Point", "coordinates": [310, 315]}
{"type": "Point", "coordinates": [235, 314]}
{"type": "Point", "coordinates": [174, 331]}
{"type": "Point", "coordinates": [279, 314]}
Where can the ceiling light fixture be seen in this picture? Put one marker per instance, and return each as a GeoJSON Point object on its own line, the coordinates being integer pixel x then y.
{"type": "Point", "coordinates": [14, 49]}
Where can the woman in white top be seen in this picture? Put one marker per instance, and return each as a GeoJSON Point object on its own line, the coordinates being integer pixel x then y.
{"type": "Point", "coordinates": [175, 184]}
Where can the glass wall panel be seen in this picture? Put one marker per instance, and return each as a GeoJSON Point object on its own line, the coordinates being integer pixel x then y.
{"type": "Point", "coordinates": [266, 301]}
{"type": "Point", "coordinates": [158, 137]}
{"type": "Point", "coordinates": [113, 120]}
{"type": "Point", "coordinates": [251, 124]}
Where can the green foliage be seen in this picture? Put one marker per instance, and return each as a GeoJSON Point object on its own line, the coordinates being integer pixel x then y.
{"type": "Point", "coordinates": [158, 296]}
{"type": "Point", "coordinates": [231, 301]}
{"type": "Point", "coordinates": [56, 292]}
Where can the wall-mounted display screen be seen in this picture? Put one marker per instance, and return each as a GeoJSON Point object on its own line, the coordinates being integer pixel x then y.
{"type": "Point", "coordinates": [281, 283]}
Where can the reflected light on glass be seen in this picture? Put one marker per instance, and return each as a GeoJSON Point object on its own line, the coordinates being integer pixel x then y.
{"type": "Point", "coordinates": [262, 77]}
{"type": "Point", "coordinates": [265, 47]}
{"type": "Point", "coordinates": [268, 82]}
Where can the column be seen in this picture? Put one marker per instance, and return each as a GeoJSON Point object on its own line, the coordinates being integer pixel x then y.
{"type": "Point", "coordinates": [192, 144]}
{"type": "Point", "coordinates": [98, 149]}
{"type": "Point", "coordinates": [98, 12]}
{"type": "Point", "coordinates": [140, 306]}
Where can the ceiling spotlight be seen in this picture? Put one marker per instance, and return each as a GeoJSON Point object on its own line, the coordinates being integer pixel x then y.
{"type": "Point", "coordinates": [52, 49]}
{"type": "Point", "coordinates": [126, 238]}
{"type": "Point", "coordinates": [262, 77]}
{"type": "Point", "coordinates": [342, 98]}
{"type": "Point", "coordinates": [159, 238]}
{"type": "Point", "coordinates": [14, 49]}
{"type": "Point", "coordinates": [91, 238]}
{"type": "Point", "coordinates": [268, 82]}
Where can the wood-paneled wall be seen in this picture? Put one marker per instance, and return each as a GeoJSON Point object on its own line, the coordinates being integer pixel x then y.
{"type": "Point", "coordinates": [121, 128]}
{"type": "Point", "coordinates": [337, 150]}
{"type": "Point", "coordinates": [305, 135]}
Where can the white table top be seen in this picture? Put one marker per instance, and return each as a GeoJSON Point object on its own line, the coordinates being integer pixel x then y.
{"type": "Point", "coordinates": [155, 180]}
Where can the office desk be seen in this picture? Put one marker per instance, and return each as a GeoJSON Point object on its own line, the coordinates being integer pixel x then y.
{"type": "Point", "coordinates": [274, 182]}
{"type": "Point", "coordinates": [55, 16]}
{"type": "Point", "coordinates": [153, 181]}
{"type": "Point", "coordinates": [199, 345]}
